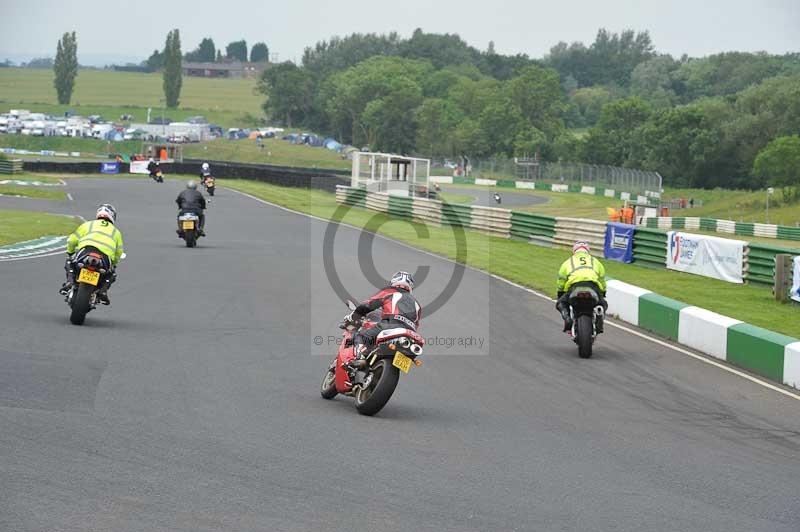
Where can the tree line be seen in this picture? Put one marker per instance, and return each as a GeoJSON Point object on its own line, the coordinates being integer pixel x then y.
{"type": "Point", "coordinates": [698, 121]}
{"type": "Point", "coordinates": [207, 52]}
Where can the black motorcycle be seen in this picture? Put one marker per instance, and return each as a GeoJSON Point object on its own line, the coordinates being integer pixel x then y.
{"type": "Point", "coordinates": [586, 309]}
{"type": "Point", "coordinates": [89, 270]}
{"type": "Point", "coordinates": [189, 228]}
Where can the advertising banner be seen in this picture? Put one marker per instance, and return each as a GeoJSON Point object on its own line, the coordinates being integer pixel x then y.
{"type": "Point", "coordinates": [795, 293]}
{"type": "Point", "coordinates": [139, 167]}
{"type": "Point", "coordinates": [109, 168]}
{"type": "Point", "coordinates": [710, 256]}
{"type": "Point", "coordinates": [619, 242]}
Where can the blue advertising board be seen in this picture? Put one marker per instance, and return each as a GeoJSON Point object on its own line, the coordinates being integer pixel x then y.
{"type": "Point", "coordinates": [109, 168]}
{"type": "Point", "coordinates": [619, 242]}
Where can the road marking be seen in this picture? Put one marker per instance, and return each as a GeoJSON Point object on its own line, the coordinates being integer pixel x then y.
{"type": "Point", "coordinates": [662, 343]}
{"type": "Point", "coordinates": [69, 197]}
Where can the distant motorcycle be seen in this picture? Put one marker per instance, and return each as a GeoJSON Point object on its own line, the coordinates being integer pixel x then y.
{"type": "Point", "coordinates": [157, 176]}
{"type": "Point", "coordinates": [89, 269]}
{"type": "Point", "coordinates": [189, 228]}
{"type": "Point", "coordinates": [585, 308]}
{"type": "Point", "coordinates": [497, 198]}
{"type": "Point", "coordinates": [210, 183]}
{"type": "Point", "coordinates": [373, 384]}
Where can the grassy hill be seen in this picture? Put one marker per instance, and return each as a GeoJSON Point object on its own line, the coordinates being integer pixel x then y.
{"type": "Point", "coordinates": [229, 102]}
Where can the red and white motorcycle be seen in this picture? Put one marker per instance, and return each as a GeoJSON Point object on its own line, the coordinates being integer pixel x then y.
{"type": "Point", "coordinates": [373, 384]}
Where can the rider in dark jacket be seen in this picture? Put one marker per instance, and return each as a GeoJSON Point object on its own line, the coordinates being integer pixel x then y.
{"type": "Point", "coordinates": [191, 200]}
{"type": "Point", "coordinates": [398, 309]}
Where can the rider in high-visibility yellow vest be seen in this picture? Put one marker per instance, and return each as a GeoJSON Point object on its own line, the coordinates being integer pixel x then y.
{"type": "Point", "coordinates": [102, 235]}
{"type": "Point", "coordinates": [580, 268]}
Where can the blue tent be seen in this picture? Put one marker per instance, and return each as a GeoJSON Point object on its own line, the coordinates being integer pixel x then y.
{"type": "Point", "coordinates": [332, 144]}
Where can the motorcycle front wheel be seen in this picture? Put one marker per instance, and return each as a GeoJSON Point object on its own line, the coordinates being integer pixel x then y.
{"type": "Point", "coordinates": [328, 388]}
{"type": "Point", "coordinates": [371, 399]}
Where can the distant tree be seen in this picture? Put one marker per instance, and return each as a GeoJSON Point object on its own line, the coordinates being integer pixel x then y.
{"type": "Point", "coordinates": [173, 76]}
{"type": "Point", "coordinates": [779, 164]}
{"type": "Point", "coordinates": [288, 89]}
{"type": "Point", "coordinates": [259, 53]}
{"type": "Point", "coordinates": [155, 61]}
{"type": "Point", "coordinates": [614, 139]}
{"type": "Point", "coordinates": [40, 62]}
{"type": "Point", "coordinates": [237, 50]}
{"type": "Point", "coordinates": [536, 91]}
{"type": "Point", "coordinates": [66, 67]}
{"type": "Point", "coordinates": [220, 59]}
{"type": "Point", "coordinates": [204, 53]}
{"type": "Point", "coordinates": [436, 122]}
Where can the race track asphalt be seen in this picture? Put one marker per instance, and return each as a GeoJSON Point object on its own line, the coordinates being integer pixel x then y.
{"type": "Point", "coordinates": [485, 197]}
{"type": "Point", "coordinates": [192, 403]}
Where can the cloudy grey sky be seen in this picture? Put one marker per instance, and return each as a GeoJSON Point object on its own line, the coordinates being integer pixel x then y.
{"type": "Point", "coordinates": [113, 30]}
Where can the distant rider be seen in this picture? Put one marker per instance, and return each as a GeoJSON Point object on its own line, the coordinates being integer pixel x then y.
{"type": "Point", "coordinates": [581, 269]}
{"type": "Point", "coordinates": [153, 167]}
{"type": "Point", "coordinates": [398, 309]}
{"type": "Point", "coordinates": [205, 171]}
{"type": "Point", "coordinates": [192, 200]}
{"type": "Point", "coordinates": [99, 235]}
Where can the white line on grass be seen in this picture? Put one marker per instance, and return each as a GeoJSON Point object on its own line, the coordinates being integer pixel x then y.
{"type": "Point", "coordinates": [662, 343]}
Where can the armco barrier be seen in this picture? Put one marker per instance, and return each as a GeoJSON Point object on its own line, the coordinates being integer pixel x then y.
{"type": "Point", "coordinates": [491, 220]}
{"type": "Point", "coordinates": [759, 264]}
{"type": "Point", "coordinates": [10, 166]}
{"type": "Point", "coordinates": [277, 175]}
{"type": "Point", "coordinates": [533, 227]}
{"type": "Point", "coordinates": [569, 230]}
{"type": "Point", "coordinates": [650, 247]}
{"type": "Point", "coordinates": [456, 215]}
{"type": "Point", "coordinates": [766, 353]}
{"type": "Point", "coordinates": [724, 226]}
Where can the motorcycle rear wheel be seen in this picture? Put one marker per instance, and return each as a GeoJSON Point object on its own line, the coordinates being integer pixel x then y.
{"type": "Point", "coordinates": [191, 238]}
{"type": "Point", "coordinates": [371, 400]}
{"type": "Point", "coordinates": [583, 332]}
{"type": "Point", "coordinates": [81, 303]}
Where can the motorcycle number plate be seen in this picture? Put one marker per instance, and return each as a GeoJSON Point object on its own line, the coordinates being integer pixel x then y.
{"type": "Point", "coordinates": [188, 224]}
{"type": "Point", "coordinates": [89, 277]}
{"type": "Point", "coordinates": [401, 362]}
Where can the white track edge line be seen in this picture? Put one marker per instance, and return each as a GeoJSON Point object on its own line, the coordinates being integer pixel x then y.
{"type": "Point", "coordinates": [662, 343]}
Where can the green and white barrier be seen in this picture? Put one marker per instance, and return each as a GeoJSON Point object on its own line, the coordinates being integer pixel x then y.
{"type": "Point", "coordinates": [766, 353]}
{"type": "Point", "coordinates": [729, 227]}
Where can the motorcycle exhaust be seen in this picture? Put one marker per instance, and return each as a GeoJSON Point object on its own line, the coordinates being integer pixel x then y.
{"type": "Point", "coordinates": [404, 342]}
{"type": "Point", "coordinates": [599, 311]}
{"type": "Point", "coordinates": [416, 349]}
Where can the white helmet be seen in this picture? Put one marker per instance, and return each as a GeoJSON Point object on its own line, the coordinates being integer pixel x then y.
{"type": "Point", "coordinates": [108, 212]}
{"type": "Point", "coordinates": [205, 166]}
{"type": "Point", "coordinates": [402, 280]}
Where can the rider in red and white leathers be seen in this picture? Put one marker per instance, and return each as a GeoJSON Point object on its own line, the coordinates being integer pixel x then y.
{"type": "Point", "coordinates": [398, 309]}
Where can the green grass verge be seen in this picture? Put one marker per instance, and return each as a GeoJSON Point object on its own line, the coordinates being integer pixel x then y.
{"type": "Point", "coordinates": [536, 267]}
{"type": "Point", "coordinates": [451, 197]}
{"type": "Point", "coordinates": [32, 192]}
{"type": "Point", "coordinates": [18, 226]}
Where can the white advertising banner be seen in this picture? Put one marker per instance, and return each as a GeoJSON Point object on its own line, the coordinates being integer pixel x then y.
{"type": "Point", "coordinates": [795, 293]}
{"type": "Point", "coordinates": [710, 256]}
{"type": "Point", "coordinates": [139, 167]}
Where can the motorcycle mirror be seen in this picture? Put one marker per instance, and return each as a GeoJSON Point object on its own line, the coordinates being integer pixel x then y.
{"type": "Point", "coordinates": [351, 305]}
{"type": "Point", "coordinates": [122, 257]}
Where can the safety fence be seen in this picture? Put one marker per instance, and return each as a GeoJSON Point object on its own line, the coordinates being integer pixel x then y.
{"type": "Point", "coordinates": [724, 226]}
{"type": "Point", "coordinates": [650, 245]}
{"type": "Point", "coordinates": [648, 198]}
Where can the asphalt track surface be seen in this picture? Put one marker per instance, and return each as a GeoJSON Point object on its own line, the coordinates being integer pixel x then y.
{"type": "Point", "coordinates": [192, 403]}
{"type": "Point", "coordinates": [485, 197]}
